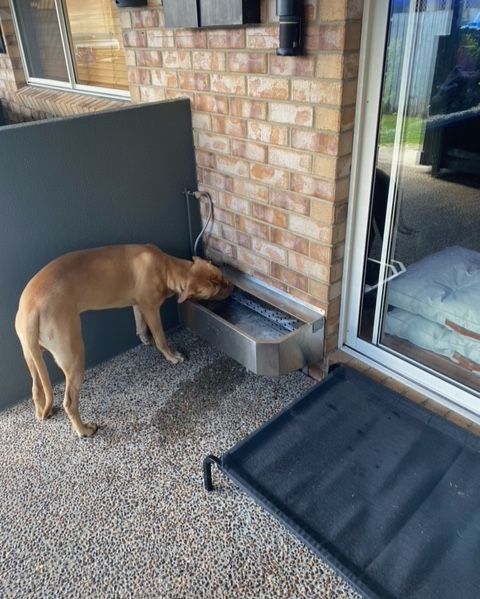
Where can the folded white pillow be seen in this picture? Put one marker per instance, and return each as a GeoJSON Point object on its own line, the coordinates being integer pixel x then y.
{"type": "Point", "coordinates": [431, 335]}
{"type": "Point", "coordinates": [442, 287]}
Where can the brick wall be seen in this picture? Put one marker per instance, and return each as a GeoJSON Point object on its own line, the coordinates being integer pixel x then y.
{"type": "Point", "coordinates": [273, 137]}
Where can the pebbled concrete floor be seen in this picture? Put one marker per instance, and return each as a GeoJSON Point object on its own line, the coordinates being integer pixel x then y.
{"type": "Point", "coordinates": [124, 514]}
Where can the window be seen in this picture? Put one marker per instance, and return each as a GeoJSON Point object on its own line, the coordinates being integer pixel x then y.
{"type": "Point", "coordinates": [73, 44]}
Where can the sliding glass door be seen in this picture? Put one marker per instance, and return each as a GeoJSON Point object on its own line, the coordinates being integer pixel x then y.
{"type": "Point", "coordinates": [415, 284]}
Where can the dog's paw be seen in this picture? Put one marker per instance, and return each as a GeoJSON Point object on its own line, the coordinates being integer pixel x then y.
{"type": "Point", "coordinates": [88, 429]}
{"type": "Point", "coordinates": [147, 339]}
{"type": "Point", "coordinates": [175, 357]}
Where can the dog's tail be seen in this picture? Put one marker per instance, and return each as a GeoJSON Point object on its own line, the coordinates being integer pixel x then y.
{"type": "Point", "coordinates": [28, 330]}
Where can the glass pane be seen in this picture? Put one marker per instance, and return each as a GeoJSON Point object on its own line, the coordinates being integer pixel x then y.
{"type": "Point", "coordinates": [426, 306]}
{"type": "Point", "coordinates": [42, 44]}
{"type": "Point", "coordinates": [97, 43]}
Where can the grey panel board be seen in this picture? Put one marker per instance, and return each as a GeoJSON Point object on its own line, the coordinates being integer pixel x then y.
{"type": "Point", "coordinates": [229, 12]}
{"type": "Point", "coordinates": [67, 184]}
{"type": "Point", "coordinates": [181, 13]}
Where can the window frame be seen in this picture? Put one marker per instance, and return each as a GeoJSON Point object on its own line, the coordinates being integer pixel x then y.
{"type": "Point", "coordinates": [67, 46]}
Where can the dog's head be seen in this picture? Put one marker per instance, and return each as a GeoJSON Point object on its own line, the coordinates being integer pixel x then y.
{"type": "Point", "coordinates": [204, 282]}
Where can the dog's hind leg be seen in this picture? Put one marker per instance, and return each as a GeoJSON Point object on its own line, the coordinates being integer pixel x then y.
{"type": "Point", "coordinates": [68, 350]}
{"type": "Point", "coordinates": [152, 317]}
{"type": "Point", "coordinates": [38, 395]}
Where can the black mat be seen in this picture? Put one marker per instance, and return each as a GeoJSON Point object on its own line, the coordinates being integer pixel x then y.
{"type": "Point", "coordinates": [385, 491]}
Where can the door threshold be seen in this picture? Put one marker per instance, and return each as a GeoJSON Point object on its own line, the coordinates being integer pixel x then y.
{"type": "Point", "coordinates": [406, 387]}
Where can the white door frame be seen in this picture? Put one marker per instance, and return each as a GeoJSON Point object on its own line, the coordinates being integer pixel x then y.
{"type": "Point", "coordinates": [457, 397]}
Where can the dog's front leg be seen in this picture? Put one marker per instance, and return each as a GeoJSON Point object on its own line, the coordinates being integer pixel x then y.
{"type": "Point", "coordinates": [143, 331]}
{"type": "Point", "coordinates": [151, 314]}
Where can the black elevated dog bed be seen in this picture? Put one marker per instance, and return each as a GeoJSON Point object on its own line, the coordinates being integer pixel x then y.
{"type": "Point", "coordinates": [382, 489]}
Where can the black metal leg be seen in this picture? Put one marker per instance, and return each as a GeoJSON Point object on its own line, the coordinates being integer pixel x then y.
{"type": "Point", "coordinates": [207, 471]}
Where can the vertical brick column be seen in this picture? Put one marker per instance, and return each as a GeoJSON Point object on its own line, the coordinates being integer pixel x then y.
{"type": "Point", "coordinates": [273, 137]}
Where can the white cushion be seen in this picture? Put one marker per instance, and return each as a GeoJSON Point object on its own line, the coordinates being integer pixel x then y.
{"type": "Point", "coordinates": [442, 287]}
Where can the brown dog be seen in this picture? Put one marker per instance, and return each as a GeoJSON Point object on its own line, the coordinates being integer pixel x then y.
{"type": "Point", "coordinates": [141, 276]}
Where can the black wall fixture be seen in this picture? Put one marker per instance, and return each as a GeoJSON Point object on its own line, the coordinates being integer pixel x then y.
{"type": "Point", "coordinates": [211, 13]}
{"type": "Point", "coordinates": [126, 3]}
{"type": "Point", "coordinates": [229, 12]}
{"type": "Point", "coordinates": [290, 13]}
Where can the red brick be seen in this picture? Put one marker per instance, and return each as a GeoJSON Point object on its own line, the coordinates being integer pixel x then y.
{"type": "Point", "coordinates": [309, 228]}
{"type": "Point", "coordinates": [201, 121]}
{"type": "Point", "coordinates": [177, 59]}
{"type": "Point", "coordinates": [266, 133]}
{"type": "Point", "coordinates": [309, 267]}
{"type": "Point", "coordinates": [232, 166]}
{"type": "Point", "coordinates": [329, 119]}
{"type": "Point", "coordinates": [192, 80]}
{"type": "Point", "coordinates": [325, 37]}
{"type": "Point", "coordinates": [228, 84]}
{"type": "Point", "coordinates": [289, 277]}
{"type": "Point", "coordinates": [353, 36]}
{"type": "Point", "coordinates": [250, 190]}
{"type": "Point", "coordinates": [269, 250]}
{"type": "Point", "coordinates": [264, 38]}
{"type": "Point", "coordinates": [160, 38]}
{"type": "Point", "coordinates": [268, 87]}
{"type": "Point", "coordinates": [270, 215]}
{"type": "Point", "coordinates": [139, 76]}
{"type": "Point", "coordinates": [224, 232]}
{"type": "Point", "coordinates": [149, 58]}
{"type": "Point", "coordinates": [208, 61]}
{"type": "Point", "coordinates": [208, 103]}
{"type": "Point", "coordinates": [270, 175]}
{"type": "Point", "coordinates": [318, 290]}
{"type": "Point", "coordinates": [355, 9]}
{"type": "Point", "coordinates": [214, 143]}
{"type": "Point", "coordinates": [162, 78]}
{"type": "Point", "coordinates": [289, 240]}
{"type": "Point", "coordinates": [314, 141]}
{"type": "Point", "coordinates": [185, 38]}
{"type": "Point", "coordinates": [229, 126]}
{"type": "Point", "coordinates": [247, 62]}
{"type": "Point", "coordinates": [323, 211]}
{"type": "Point", "coordinates": [293, 114]}
{"type": "Point", "coordinates": [236, 204]}
{"type": "Point", "coordinates": [321, 253]}
{"type": "Point", "coordinates": [252, 227]}
{"type": "Point", "coordinates": [226, 38]}
{"type": "Point", "coordinates": [142, 19]}
{"type": "Point", "coordinates": [218, 181]}
{"type": "Point", "coordinates": [290, 201]}
{"type": "Point", "coordinates": [317, 91]}
{"type": "Point", "coordinates": [249, 150]}
{"type": "Point", "coordinates": [248, 108]}
{"type": "Point", "coordinates": [134, 39]}
{"type": "Point", "coordinates": [312, 187]}
{"type": "Point", "coordinates": [151, 94]}
{"type": "Point", "coordinates": [222, 246]}
{"type": "Point", "coordinates": [244, 240]}
{"type": "Point", "coordinates": [254, 260]}
{"type": "Point", "coordinates": [206, 159]}
{"type": "Point", "coordinates": [299, 66]}
{"type": "Point", "coordinates": [290, 159]}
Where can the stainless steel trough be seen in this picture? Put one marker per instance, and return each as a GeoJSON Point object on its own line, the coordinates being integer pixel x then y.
{"type": "Point", "coordinates": [266, 330]}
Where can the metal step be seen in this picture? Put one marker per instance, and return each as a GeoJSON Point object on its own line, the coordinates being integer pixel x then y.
{"type": "Point", "coordinates": [266, 330]}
